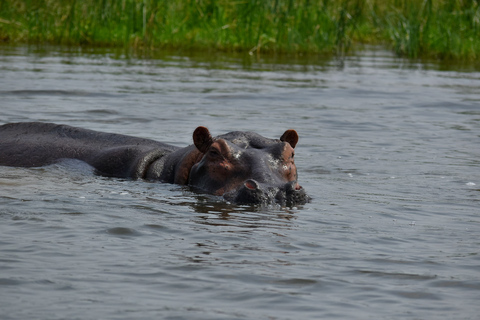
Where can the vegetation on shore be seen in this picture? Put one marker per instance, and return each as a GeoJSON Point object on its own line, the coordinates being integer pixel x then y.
{"type": "Point", "coordinates": [446, 29]}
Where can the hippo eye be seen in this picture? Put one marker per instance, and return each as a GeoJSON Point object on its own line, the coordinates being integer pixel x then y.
{"type": "Point", "coordinates": [213, 152]}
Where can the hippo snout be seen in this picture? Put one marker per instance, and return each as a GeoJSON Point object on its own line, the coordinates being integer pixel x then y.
{"type": "Point", "coordinates": [292, 194]}
{"type": "Point", "coordinates": [253, 192]}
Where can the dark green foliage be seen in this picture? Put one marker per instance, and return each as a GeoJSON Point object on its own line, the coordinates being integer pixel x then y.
{"type": "Point", "coordinates": [442, 28]}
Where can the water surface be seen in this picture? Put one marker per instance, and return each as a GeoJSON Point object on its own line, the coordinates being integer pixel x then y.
{"type": "Point", "coordinates": [388, 150]}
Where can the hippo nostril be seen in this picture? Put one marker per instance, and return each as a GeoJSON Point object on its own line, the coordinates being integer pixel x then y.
{"type": "Point", "coordinates": [251, 184]}
{"type": "Point", "coordinates": [291, 186]}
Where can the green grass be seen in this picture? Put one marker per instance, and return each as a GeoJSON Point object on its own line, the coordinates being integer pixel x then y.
{"type": "Point", "coordinates": [446, 29]}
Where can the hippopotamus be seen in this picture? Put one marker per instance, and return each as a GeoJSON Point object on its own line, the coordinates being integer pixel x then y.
{"type": "Point", "coordinates": [243, 167]}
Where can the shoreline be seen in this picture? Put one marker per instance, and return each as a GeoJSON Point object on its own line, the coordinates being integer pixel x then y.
{"type": "Point", "coordinates": [441, 30]}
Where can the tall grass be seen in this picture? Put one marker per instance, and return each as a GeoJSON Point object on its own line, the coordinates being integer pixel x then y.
{"type": "Point", "coordinates": [445, 29]}
{"type": "Point", "coordinates": [441, 28]}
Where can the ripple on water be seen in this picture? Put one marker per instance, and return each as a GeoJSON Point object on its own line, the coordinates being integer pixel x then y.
{"type": "Point", "coordinates": [123, 231]}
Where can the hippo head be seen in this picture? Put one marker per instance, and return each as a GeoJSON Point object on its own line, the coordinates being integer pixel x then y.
{"type": "Point", "coordinates": [246, 168]}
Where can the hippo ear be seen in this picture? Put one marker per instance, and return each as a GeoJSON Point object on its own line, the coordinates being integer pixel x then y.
{"type": "Point", "coordinates": [290, 136]}
{"type": "Point", "coordinates": [202, 139]}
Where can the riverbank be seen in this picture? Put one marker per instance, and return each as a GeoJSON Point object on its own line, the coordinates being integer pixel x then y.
{"type": "Point", "coordinates": [434, 29]}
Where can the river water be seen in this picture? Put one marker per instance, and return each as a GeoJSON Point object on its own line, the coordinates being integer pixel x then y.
{"type": "Point", "coordinates": [389, 150]}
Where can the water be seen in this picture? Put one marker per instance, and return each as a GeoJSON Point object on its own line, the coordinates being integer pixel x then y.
{"type": "Point", "coordinates": [389, 151]}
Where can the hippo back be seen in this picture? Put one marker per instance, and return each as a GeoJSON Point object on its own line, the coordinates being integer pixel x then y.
{"type": "Point", "coordinates": [34, 144]}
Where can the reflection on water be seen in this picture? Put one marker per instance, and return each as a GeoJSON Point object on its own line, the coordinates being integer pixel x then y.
{"type": "Point", "coordinates": [388, 151]}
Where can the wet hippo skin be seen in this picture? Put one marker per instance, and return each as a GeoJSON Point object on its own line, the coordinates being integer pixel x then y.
{"type": "Point", "coordinates": [243, 167]}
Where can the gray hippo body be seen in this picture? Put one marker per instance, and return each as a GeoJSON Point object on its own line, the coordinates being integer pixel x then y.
{"type": "Point", "coordinates": [243, 167]}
